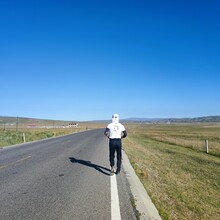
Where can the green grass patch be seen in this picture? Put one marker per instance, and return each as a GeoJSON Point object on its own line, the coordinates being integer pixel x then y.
{"type": "Point", "coordinates": [8, 138]}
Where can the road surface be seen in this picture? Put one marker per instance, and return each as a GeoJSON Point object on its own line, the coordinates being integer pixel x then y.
{"type": "Point", "coordinates": [62, 178]}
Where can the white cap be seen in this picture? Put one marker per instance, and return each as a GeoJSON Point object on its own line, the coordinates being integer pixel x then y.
{"type": "Point", "coordinates": [115, 118]}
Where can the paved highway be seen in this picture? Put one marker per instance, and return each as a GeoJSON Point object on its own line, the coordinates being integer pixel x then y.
{"type": "Point", "coordinates": [62, 178]}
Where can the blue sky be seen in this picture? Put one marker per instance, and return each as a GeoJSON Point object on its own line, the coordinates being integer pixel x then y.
{"type": "Point", "coordinates": [85, 60]}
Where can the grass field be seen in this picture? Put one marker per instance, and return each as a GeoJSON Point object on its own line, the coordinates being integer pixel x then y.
{"type": "Point", "coordinates": [182, 180]}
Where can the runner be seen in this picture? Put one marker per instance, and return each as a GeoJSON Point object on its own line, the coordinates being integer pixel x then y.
{"type": "Point", "coordinates": [115, 131]}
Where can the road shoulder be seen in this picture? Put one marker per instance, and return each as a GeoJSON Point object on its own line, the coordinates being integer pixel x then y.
{"type": "Point", "coordinates": [143, 202]}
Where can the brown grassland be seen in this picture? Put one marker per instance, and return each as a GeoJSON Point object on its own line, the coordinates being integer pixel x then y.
{"type": "Point", "coordinates": [182, 180]}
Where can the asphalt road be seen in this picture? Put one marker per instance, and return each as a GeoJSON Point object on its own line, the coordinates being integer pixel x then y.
{"type": "Point", "coordinates": [61, 178]}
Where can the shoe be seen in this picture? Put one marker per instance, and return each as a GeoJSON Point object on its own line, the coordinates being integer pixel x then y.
{"type": "Point", "coordinates": [118, 171]}
{"type": "Point", "coordinates": [112, 171]}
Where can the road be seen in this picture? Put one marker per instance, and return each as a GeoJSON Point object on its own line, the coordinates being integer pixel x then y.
{"type": "Point", "coordinates": [62, 178]}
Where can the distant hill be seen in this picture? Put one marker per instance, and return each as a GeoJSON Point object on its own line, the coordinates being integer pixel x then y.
{"type": "Point", "coordinates": [174, 120]}
{"type": "Point", "coordinates": [23, 120]}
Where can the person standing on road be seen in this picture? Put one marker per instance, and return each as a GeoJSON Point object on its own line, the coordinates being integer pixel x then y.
{"type": "Point", "coordinates": [115, 131]}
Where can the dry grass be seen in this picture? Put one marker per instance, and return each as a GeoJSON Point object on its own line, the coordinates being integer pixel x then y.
{"type": "Point", "coordinates": [183, 181]}
{"type": "Point", "coordinates": [188, 135]}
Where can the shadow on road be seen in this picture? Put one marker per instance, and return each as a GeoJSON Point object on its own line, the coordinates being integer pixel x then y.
{"type": "Point", "coordinates": [90, 164]}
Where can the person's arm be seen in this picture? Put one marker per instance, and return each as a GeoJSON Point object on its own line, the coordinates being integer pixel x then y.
{"type": "Point", "coordinates": [107, 132]}
{"type": "Point", "coordinates": [124, 134]}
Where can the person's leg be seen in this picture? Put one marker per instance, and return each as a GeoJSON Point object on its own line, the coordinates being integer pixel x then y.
{"type": "Point", "coordinates": [118, 149]}
{"type": "Point", "coordinates": [111, 153]}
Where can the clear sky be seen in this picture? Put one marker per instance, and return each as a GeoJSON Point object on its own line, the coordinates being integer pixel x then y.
{"type": "Point", "coordinates": [85, 60]}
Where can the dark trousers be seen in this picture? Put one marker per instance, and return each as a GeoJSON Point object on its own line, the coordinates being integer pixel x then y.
{"type": "Point", "coordinates": [115, 145]}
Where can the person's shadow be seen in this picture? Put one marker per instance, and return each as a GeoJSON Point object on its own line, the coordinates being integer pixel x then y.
{"type": "Point", "coordinates": [90, 164]}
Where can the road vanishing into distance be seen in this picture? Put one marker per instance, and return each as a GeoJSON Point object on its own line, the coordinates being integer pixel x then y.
{"type": "Point", "coordinates": [62, 178]}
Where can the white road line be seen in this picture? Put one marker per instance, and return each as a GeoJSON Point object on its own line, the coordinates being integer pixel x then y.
{"type": "Point", "coordinates": [18, 161]}
{"type": "Point", "coordinates": [23, 159]}
{"type": "Point", "coordinates": [115, 208]}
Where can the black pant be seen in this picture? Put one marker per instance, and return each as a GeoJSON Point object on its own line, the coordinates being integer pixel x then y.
{"type": "Point", "coordinates": [115, 145]}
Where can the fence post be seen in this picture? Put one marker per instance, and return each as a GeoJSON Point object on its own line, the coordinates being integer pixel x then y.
{"type": "Point", "coordinates": [207, 146]}
{"type": "Point", "coordinates": [17, 125]}
{"type": "Point", "coordinates": [24, 137]}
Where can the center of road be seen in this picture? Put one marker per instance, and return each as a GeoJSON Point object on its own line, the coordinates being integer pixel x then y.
{"type": "Point", "coordinates": [115, 207]}
{"type": "Point", "coordinates": [17, 161]}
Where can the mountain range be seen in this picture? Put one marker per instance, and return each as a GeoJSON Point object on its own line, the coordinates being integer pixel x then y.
{"type": "Point", "coordinates": [210, 119]}
{"type": "Point", "coordinates": [174, 120]}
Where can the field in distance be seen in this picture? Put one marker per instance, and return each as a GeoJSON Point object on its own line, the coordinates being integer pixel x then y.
{"type": "Point", "coordinates": [14, 130]}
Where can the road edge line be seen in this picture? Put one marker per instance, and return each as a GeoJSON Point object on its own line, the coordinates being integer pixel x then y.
{"type": "Point", "coordinates": [115, 207]}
